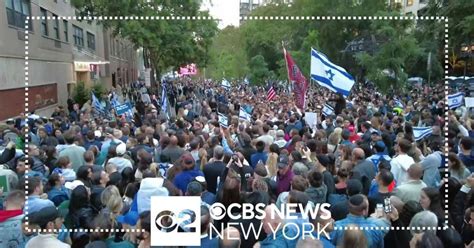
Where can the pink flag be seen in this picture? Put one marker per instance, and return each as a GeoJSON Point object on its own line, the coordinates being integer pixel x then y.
{"type": "Point", "coordinates": [299, 82]}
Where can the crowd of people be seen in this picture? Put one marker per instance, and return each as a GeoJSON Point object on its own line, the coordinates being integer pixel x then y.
{"type": "Point", "coordinates": [81, 170]}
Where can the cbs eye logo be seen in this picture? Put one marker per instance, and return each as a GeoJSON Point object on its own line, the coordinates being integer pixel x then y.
{"type": "Point", "coordinates": [167, 221]}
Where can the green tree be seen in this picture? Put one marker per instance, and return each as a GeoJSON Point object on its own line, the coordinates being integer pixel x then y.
{"type": "Point", "coordinates": [168, 43]}
{"type": "Point", "coordinates": [258, 70]}
{"type": "Point", "coordinates": [227, 55]}
{"type": "Point", "coordinates": [461, 22]}
{"type": "Point", "coordinates": [81, 93]}
{"type": "Point", "coordinates": [99, 89]}
{"type": "Point", "coordinates": [387, 66]}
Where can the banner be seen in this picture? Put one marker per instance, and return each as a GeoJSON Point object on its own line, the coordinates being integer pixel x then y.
{"type": "Point", "coordinates": [299, 82]}
{"type": "Point", "coordinates": [311, 119]}
{"type": "Point", "coordinates": [123, 108]}
{"type": "Point", "coordinates": [188, 70]}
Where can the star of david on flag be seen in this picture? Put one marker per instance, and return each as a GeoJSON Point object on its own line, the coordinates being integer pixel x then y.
{"type": "Point", "coordinates": [455, 100]}
{"type": "Point", "coordinates": [330, 75]}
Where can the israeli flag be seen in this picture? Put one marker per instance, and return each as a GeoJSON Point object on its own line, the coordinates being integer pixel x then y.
{"type": "Point", "coordinates": [455, 100]}
{"type": "Point", "coordinates": [422, 132]}
{"type": "Point", "coordinates": [223, 120]}
{"type": "Point", "coordinates": [399, 103]}
{"type": "Point", "coordinates": [328, 110]}
{"type": "Point", "coordinates": [96, 103]}
{"type": "Point", "coordinates": [244, 115]}
{"type": "Point", "coordinates": [225, 84]}
{"type": "Point", "coordinates": [114, 102]}
{"type": "Point", "coordinates": [164, 101]}
{"type": "Point", "coordinates": [330, 75]}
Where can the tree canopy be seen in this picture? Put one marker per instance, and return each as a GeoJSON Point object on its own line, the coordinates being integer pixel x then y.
{"type": "Point", "coordinates": [401, 47]}
{"type": "Point", "coordinates": [168, 43]}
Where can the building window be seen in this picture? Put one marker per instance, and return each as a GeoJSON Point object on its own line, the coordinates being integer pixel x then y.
{"type": "Point", "coordinates": [78, 36]}
{"type": "Point", "coordinates": [44, 22]}
{"type": "Point", "coordinates": [409, 2]}
{"type": "Point", "coordinates": [66, 31]}
{"type": "Point", "coordinates": [90, 41]}
{"type": "Point", "coordinates": [56, 27]}
{"type": "Point", "coordinates": [17, 11]}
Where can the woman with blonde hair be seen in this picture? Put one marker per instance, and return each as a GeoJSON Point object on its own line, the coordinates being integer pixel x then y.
{"type": "Point", "coordinates": [112, 202]}
{"type": "Point", "coordinates": [334, 139]}
{"type": "Point", "coordinates": [202, 157]}
{"type": "Point", "coordinates": [272, 160]}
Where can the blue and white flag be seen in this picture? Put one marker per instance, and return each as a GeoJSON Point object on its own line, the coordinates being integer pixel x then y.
{"type": "Point", "coordinates": [129, 114]}
{"type": "Point", "coordinates": [328, 110]}
{"type": "Point", "coordinates": [244, 115]}
{"type": "Point", "coordinates": [422, 132]}
{"type": "Point", "coordinates": [399, 103]}
{"type": "Point", "coordinates": [223, 120]}
{"type": "Point", "coordinates": [455, 100]}
{"type": "Point", "coordinates": [164, 101]}
{"type": "Point", "coordinates": [330, 75]}
{"type": "Point", "coordinates": [97, 105]}
{"type": "Point", "coordinates": [114, 100]}
{"type": "Point", "coordinates": [225, 84]}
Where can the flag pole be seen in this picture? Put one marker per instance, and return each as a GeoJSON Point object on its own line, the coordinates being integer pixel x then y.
{"type": "Point", "coordinates": [286, 62]}
{"type": "Point", "coordinates": [287, 70]}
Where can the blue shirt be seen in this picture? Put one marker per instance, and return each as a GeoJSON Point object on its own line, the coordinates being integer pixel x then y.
{"type": "Point", "coordinates": [63, 234]}
{"type": "Point", "coordinates": [182, 180]}
{"type": "Point", "coordinates": [257, 157]}
{"type": "Point", "coordinates": [431, 165]}
{"type": "Point", "coordinates": [377, 158]}
{"type": "Point", "coordinates": [300, 221]}
{"type": "Point", "coordinates": [35, 204]}
{"type": "Point", "coordinates": [226, 146]}
{"type": "Point", "coordinates": [375, 238]}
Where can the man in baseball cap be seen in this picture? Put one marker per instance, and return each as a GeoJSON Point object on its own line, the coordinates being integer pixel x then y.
{"type": "Point", "coordinates": [49, 220]}
{"type": "Point", "coordinates": [284, 174]}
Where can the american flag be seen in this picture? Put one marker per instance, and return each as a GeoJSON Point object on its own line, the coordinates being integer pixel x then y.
{"type": "Point", "coordinates": [271, 94]}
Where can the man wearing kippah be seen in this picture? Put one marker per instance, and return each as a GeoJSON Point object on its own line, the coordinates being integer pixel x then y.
{"type": "Point", "coordinates": [358, 212]}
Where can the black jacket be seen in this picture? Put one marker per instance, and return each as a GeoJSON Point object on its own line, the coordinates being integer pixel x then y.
{"type": "Point", "coordinates": [211, 172]}
{"type": "Point", "coordinates": [7, 155]}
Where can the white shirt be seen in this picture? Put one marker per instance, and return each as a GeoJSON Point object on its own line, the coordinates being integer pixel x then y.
{"type": "Point", "coordinates": [400, 165]}
{"type": "Point", "coordinates": [121, 163]}
{"type": "Point", "coordinates": [46, 240]}
{"type": "Point", "coordinates": [268, 139]}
